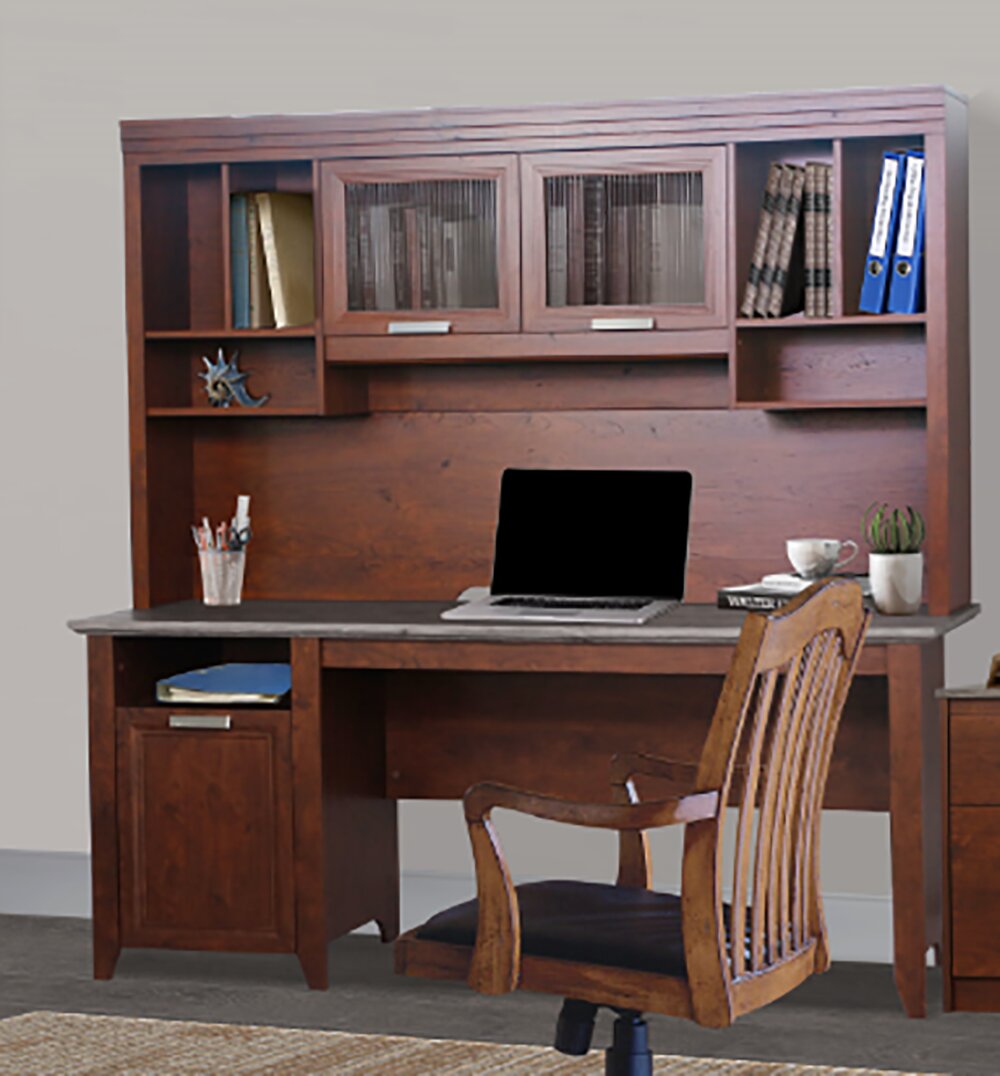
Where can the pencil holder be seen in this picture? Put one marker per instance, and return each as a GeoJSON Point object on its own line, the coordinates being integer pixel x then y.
{"type": "Point", "coordinates": [221, 575]}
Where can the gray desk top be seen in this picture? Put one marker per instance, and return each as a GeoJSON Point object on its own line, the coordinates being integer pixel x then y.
{"type": "Point", "coordinates": [972, 691]}
{"type": "Point", "coordinates": [421, 620]}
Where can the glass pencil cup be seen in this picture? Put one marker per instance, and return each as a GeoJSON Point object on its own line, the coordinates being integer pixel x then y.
{"type": "Point", "coordinates": [221, 575]}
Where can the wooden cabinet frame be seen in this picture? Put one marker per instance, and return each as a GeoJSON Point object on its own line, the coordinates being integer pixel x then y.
{"type": "Point", "coordinates": [335, 175]}
{"type": "Point", "coordinates": [535, 168]}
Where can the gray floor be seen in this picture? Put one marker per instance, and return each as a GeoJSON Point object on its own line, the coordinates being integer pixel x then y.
{"type": "Point", "coordinates": [849, 1016]}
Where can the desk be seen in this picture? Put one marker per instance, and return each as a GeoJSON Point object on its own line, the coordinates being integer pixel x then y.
{"type": "Point", "coordinates": [389, 702]}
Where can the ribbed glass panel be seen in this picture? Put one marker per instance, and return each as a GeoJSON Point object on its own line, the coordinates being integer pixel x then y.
{"type": "Point", "coordinates": [620, 240]}
{"type": "Point", "coordinates": [427, 245]}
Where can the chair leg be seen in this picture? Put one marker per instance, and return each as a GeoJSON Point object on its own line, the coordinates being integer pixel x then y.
{"type": "Point", "coordinates": [575, 1027]}
{"type": "Point", "coordinates": [629, 1054]}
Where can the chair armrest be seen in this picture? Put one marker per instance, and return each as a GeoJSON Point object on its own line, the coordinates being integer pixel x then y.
{"type": "Point", "coordinates": [629, 765]}
{"type": "Point", "coordinates": [482, 798]}
{"type": "Point", "coordinates": [496, 959]}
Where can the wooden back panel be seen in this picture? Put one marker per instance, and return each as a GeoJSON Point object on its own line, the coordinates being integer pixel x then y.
{"type": "Point", "coordinates": [403, 506]}
{"type": "Point", "coordinates": [778, 714]}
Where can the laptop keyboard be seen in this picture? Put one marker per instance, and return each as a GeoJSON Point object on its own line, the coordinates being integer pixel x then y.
{"type": "Point", "coordinates": [571, 603]}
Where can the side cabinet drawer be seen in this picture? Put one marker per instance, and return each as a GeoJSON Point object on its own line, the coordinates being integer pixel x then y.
{"type": "Point", "coordinates": [974, 848]}
{"type": "Point", "coordinates": [974, 752]}
{"type": "Point", "coordinates": [205, 828]}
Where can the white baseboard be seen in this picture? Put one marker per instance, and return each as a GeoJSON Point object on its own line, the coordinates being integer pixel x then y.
{"type": "Point", "coordinates": [58, 883]}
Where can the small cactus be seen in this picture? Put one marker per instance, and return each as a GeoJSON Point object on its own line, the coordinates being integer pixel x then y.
{"type": "Point", "coordinates": [890, 530]}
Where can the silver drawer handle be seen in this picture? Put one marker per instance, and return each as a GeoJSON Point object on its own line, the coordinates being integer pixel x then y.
{"type": "Point", "coordinates": [221, 722]}
{"type": "Point", "coordinates": [418, 328]}
{"type": "Point", "coordinates": [622, 323]}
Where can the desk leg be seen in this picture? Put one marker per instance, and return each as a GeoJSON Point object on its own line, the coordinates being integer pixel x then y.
{"type": "Point", "coordinates": [307, 792]}
{"type": "Point", "coordinates": [914, 671]}
{"type": "Point", "coordinates": [103, 804]}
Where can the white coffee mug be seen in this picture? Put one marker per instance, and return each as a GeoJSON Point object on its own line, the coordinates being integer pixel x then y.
{"type": "Point", "coordinates": [813, 558]}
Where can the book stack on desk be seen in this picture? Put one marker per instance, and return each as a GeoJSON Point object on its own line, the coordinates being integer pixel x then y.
{"type": "Point", "coordinates": [773, 591]}
{"type": "Point", "coordinates": [236, 683]}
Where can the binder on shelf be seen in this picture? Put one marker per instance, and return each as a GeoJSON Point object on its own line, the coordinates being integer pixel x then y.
{"type": "Point", "coordinates": [875, 286]}
{"type": "Point", "coordinates": [229, 684]}
{"type": "Point", "coordinates": [239, 238]}
{"type": "Point", "coordinates": [906, 288]}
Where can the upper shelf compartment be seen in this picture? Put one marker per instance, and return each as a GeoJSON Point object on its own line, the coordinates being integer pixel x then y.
{"type": "Point", "coordinates": [624, 240]}
{"type": "Point", "coordinates": [421, 246]}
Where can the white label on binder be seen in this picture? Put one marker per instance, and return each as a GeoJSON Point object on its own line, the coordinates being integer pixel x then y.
{"type": "Point", "coordinates": [883, 208]}
{"type": "Point", "coordinates": [911, 203]}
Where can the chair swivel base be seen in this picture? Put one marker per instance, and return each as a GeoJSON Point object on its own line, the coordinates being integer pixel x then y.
{"type": "Point", "coordinates": [629, 1053]}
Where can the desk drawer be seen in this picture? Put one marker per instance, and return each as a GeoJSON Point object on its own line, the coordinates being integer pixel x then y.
{"type": "Point", "coordinates": [975, 891]}
{"type": "Point", "coordinates": [974, 752]}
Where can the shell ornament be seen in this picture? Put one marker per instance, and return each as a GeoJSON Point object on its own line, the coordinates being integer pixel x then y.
{"type": "Point", "coordinates": [224, 382]}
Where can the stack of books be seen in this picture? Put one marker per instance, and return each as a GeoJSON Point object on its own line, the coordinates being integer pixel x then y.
{"type": "Point", "coordinates": [773, 591]}
{"type": "Point", "coordinates": [233, 684]}
{"type": "Point", "coordinates": [624, 240]}
{"type": "Point", "coordinates": [790, 269]}
{"type": "Point", "coordinates": [271, 252]}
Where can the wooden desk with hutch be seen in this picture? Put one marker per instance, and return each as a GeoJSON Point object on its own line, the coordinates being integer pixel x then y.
{"type": "Point", "coordinates": [374, 470]}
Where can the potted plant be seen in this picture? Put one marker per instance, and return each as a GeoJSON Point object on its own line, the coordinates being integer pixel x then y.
{"type": "Point", "coordinates": [895, 563]}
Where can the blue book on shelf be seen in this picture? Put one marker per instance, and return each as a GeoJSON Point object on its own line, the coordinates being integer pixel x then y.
{"type": "Point", "coordinates": [239, 244]}
{"type": "Point", "coordinates": [907, 287]}
{"type": "Point", "coordinates": [235, 682]}
{"type": "Point", "coordinates": [875, 286]}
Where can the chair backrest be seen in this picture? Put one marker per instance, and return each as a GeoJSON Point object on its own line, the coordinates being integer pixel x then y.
{"type": "Point", "coordinates": [768, 750]}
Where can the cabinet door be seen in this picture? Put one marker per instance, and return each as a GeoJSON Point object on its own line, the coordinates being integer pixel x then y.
{"type": "Point", "coordinates": [631, 239]}
{"type": "Point", "coordinates": [205, 829]}
{"type": "Point", "coordinates": [421, 244]}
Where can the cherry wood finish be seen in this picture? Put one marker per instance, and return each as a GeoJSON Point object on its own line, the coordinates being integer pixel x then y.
{"type": "Point", "coordinates": [205, 831]}
{"type": "Point", "coordinates": [971, 846]}
{"type": "Point", "coordinates": [777, 714]}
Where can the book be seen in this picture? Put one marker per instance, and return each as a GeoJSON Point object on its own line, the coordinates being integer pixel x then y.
{"type": "Point", "coordinates": [451, 275]}
{"type": "Point", "coordinates": [764, 223]}
{"type": "Point", "coordinates": [261, 307]}
{"type": "Point", "coordinates": [380, 256]}
{"type": "Point", "coordinates": [239, 260]}
{"type": "Point", "coordinates": [774, 591]}
{"type": "Point", "coordinates": [286, 226]}
{"type": "Point", "coordinates": [813, 260]}
{"type": "Point", "coordinates": [575, 247]}
{"type": "Point", "coordinates": [555, 224]}
{"type": "Point", "coordinates": [229, 684]}
{"type": "Point", "coordinates": [786, 282]}
{"type": "Point", "coordinates": [774, 240]}
{"type": "Point", "coordinates": [593, 241]}
{"type": "Point", "coordinates": [618, 244]}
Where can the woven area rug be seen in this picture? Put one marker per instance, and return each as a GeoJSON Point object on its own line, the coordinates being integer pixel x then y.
{"type": "Point", "coordinates": [62, 1043]}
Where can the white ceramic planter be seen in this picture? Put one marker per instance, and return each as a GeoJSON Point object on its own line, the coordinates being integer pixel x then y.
{"type": "Point", "coordinates": [897, 581]}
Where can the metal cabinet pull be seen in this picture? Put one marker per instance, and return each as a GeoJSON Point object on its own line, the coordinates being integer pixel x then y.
{"type": "Point", "coordinates": [418, 328]}
{"type": "Point", "coordinates": [221, 722]}
{"type": "Point", "coordinates": [622, 323]}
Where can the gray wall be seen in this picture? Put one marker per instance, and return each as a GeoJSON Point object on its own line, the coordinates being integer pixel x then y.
{"type": "Point", "coordinates": [70, 71]}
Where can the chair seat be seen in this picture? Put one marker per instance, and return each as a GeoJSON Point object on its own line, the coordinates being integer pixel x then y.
{"type": "Point", "coordinates": [619, 926]}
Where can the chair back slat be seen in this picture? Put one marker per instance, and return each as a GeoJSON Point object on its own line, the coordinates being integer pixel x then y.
{"type": "Point", "coordinates": [774, 726]}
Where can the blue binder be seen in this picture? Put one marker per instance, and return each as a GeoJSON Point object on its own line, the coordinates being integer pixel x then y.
{"type": "Point", "coordinates": [875, 286]}
{"type": "Point", "coordinates": [906, 292]}
{"type": "Point", "coordinates": [239, 241]}
{"type": "Point", "coordinates": [236, 682]}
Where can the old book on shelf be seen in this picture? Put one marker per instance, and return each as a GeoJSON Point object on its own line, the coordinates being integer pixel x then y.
{"type": "Point", "coordinates": [827, 233]}
{"type": "Point", "coordinates": [764, 224]}
{"type": "Point", "coordinates": [239, 260]}
{"type": "Point", "coordinates": [261, 307]}
{"type": "Point", "coordinates": [575, 241]}
{"type": "Point", "coordinates": [556, 224]}
{"type": "Point", "coordinates": [774, 241]}
{"type": "Point", "coordinates": [618, 244]}
{"type": "Point", "coordinates": [786, 282]}
{"type": "Point", "coordinates": [232, 684]}
{"type": "Point", "coordinates": [593, 236]}
{"type": "Point", "coordinates": [812, 263]}
{"type": "Point", "coordinates": [286, 226]}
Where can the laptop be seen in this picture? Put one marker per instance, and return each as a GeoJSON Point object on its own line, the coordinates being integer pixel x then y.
{"type": "Point", "coordinates": [584, 546]}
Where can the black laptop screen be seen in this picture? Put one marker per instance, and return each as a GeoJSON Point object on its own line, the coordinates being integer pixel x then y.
{"type": "Point", "coordinates": [592, 533]}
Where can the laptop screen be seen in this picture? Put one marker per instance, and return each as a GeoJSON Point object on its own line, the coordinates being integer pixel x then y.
{"type": "Point", "coordinates": [620, 534]}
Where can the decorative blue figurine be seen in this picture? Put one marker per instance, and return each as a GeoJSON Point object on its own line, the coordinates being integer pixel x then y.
{"type": "Point", "coordinates": [224, 382]}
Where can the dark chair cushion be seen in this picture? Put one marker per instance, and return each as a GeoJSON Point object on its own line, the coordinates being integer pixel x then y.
{"type": "Point", "coordinates": [618, 926]}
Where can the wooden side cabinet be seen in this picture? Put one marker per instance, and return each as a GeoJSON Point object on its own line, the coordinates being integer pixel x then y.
{"type": "Point", "coordinates": [205, 829]}
{"type": "Point", "coordinates": [971, 753]}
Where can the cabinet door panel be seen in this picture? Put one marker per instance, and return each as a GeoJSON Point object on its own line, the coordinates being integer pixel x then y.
{"type": "Point", "coordinates": [610, 236]}
{"type": "Point", "coordinates": [415, 241]}
{"type": "Point", "coordinates": [206, 831]}
{"type": "Point", "coordinates": [975, 891]}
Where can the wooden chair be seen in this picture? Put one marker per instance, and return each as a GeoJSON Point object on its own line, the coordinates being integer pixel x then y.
{"type": "Point", "coordinates": [632, 949]}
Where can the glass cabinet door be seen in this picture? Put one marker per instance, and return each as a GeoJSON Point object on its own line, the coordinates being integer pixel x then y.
{"type": "Point", "coordinates": [422, 245]}
{"type": "Point", "coordinates": [629, 240]}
